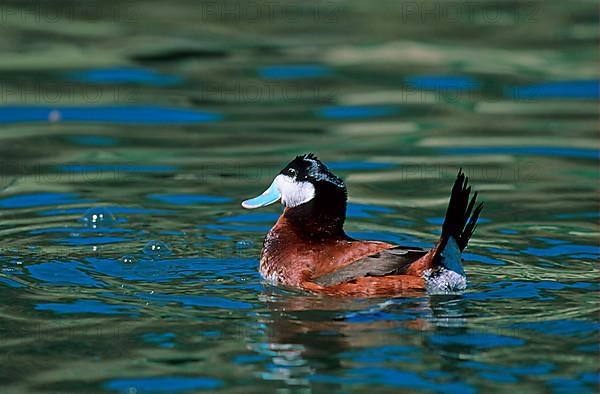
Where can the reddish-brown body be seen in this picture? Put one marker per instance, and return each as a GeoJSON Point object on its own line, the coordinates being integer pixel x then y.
{"type": "Point", "coordinates": [294, 258]}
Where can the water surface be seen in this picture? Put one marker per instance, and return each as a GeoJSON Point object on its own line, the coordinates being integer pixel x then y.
{"type": "Point", "coordinates": [128, 142]}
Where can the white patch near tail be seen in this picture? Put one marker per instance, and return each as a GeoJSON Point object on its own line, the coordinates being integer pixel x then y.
{"type": "Point", "coordinates": [450, 276]}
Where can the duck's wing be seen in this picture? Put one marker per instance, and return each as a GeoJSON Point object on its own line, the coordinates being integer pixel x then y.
{"type": "Point", "coordinates": [392, 261]}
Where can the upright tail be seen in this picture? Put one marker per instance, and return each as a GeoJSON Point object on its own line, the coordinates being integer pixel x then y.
{"type": "Point", "coordinates": [447, 273]}
{"type": "Point", "coordinates": [461, 219]}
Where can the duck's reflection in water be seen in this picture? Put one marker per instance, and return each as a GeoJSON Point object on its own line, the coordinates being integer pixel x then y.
{"type": "Point", "coordinates": [307, 336]}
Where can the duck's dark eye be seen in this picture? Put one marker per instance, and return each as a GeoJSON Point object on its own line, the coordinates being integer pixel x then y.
{"type": "Point", "coordinates": [291, 172]}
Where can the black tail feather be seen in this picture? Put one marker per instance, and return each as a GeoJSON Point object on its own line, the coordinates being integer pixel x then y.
{"type": "Point", "coordinates": [461, 219]}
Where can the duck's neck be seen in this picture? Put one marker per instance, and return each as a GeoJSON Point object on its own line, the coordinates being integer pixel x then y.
{"type": "Point", "coordinates": [321, 218]}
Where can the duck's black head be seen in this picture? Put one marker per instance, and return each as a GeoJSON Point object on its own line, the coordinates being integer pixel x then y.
{"type": "Point", "coordinates": [313, 195]}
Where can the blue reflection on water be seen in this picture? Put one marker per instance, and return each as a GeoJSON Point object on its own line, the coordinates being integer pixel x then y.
{"type": "Point", "coordinates": [120, 170]}
{"type": "Point", "coordinates": [392, 353]}
{"type": "Point", "coordinates": [573, 251]}
{"type": "Point", "coordinates": [440, 220]}
{"type": "Point", "coordinates": [523, 289]}
{"type": "Point", "coordinates": [365, 210]}
{"type": "Point", "coordinates": [11, 283]}
{"type": "Point", "coordinates": [162, 340]}
{"type": "Point", "coordinates": [87, 306]}
{"type": "Point", "coordinates": [81, 230]}
{"type": "Point", "coordinates": [482, 259]}
{"type": "Point", "coordinates": [198, 301]}
{"type": "Point", "coordinates": [60, 273]}
{"type": "Point", "coordinates": [445, 82]}
{"type": "Point", "coordinates": [477, 340]}
{"type": "Point", "coordinates": [578, 215]}
{"type": "Point", "coordinates": [532, 369]}
{"type": "Point", "coordinates": [357, 166]}
{"type": "Point", "coordinates": [254, 217]}
{"type": "Point", "coordinates": [577, 89]}
{"type": "Point", "coordinates": [164, 270]}
{"type": "Point", "coordinates": [112, 208]}
{"type": "Point", "coordinates": [564, 327]}
{"type": "Point", "coordinates": [106, 114]}
{"type": "Point", "coordinates": [357, 111]}
{"type": "Point", "coordinates": [40, 199]}
{"type": "Point", "coordinates": [237, 227]}
{"type": "Point", "coordinates": [293, 71]}
{"type": "Point", "coordinates": [394, 238]}
{"type": "Point", "coordinates": [525, 150]}
{"type": "Point", "coordinates": [92, 140]}
{"type": "Point", "coordinates": [189, 199]}
{"type": "Point", "coordinates": [102, 240]}
{"type": "Point", "coordinates": [166, 384]}
{"type": "Point", "coordinates": [125, 75]}
{"type": "Point", "coordinates": [394, 378]}
{"type": "Point", "coordinates": [578, 384]}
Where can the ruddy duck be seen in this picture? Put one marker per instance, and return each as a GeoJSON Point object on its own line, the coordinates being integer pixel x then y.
{"type": "Point", "coordinates": [308, 249]}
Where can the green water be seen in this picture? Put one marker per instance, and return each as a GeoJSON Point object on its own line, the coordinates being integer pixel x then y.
{"type": "Point", "coordinates": [130, 132]}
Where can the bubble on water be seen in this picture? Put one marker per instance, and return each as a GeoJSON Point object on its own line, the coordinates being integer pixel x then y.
{"type": "Point", "coordinates": [128, 259]}
{"type": "Point", "coordinates": [157, 248]}
{"type": "Point", "coordinates": [244, 244]}
{"type": "Point", "coordinates": [54, 116]}
{"type": "Point", "coordinates": [98, 217]}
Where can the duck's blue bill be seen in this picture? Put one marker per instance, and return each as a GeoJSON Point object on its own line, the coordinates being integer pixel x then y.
{"type": "Point", "coordinates": [270, 196]}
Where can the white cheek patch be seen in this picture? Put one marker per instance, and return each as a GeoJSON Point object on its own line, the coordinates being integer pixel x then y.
{"type": "Point", "coordinates": [294, 193]}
